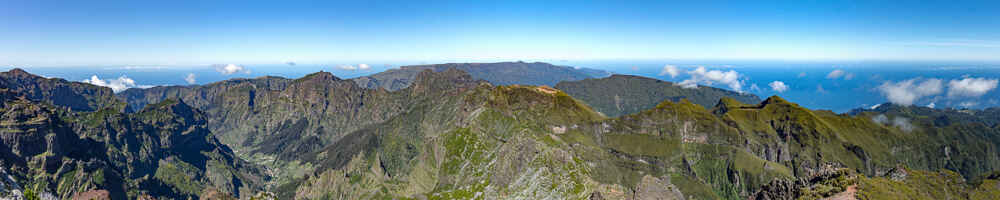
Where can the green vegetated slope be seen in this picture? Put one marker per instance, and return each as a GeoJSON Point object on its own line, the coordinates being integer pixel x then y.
{"type": "Point", "coordinates": [501, 73]}
{"type": "Point", "coordinates": [163, 151]}
{"type": "Point", "coordinates": [510, 142]}
{"type": "Point", "coordinates": [450, 136]}
{"type": "Point", "coordinates": [619, 95]}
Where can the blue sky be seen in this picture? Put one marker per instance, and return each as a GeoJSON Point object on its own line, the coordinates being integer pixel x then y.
{"type": "Point", "coordinates": [63, 33]}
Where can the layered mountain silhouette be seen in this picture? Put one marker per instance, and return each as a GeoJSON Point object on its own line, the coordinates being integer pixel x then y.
{"type": "Point", "coordinates": [446, 132]}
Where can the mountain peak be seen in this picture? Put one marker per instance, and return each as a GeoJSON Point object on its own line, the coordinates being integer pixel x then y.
{"type": "Point", "coordinates": [726, 104]}
{"type": "Point", "coordinates": [321, 75]}
{"type": "Point", "coordinates": [774, 100]}
{"type": "Point", "coordinates": [17, 71]}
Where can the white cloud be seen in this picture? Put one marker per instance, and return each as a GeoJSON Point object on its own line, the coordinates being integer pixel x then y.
{"type": "Point", "coordinates": [931, 105]}
{"type": "Point", "coordinates": [116, 85]}
{"type": "Point", "coordinates": [135, 67]}
{"type": "Point", "coordinates": [670, 70]}
{"type": "Point", "coordinates": [968, 104]}
{"type": "Point", "coordinates": [709, 77]}
{"type": "Point", "coordinates": [778, 86]}
{"type": "Point", "coordinates": [347, 67]}
{"type": "Point", "coordinates": [908, 91]}
{"type": "Point", "coordinates": [849, 76]}
{"type": "Point", "coordinates": [190, 78]}
{"type": "Point", "coordinates": [875, 106]}
{"type": "Point", "coordinates": [880, 119]}
{"type": "Point", "coordinates": [835, 74]}
{"type": "Point", "coordinates": [899, 122]}
{"type": "Point", "coordinates": [903, 124]}
{"type": "Point", "coordinates": [753, 87]}
{"type": "Point", "coordinates": [231, 69]}
{"type": "Point", "coordinates": [352, 67]}
{"type": "Point", "coordinates": [971, 87]}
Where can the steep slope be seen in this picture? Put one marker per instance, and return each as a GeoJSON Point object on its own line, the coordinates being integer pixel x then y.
{"type": "Point", "coordinates": [502, 73]}
{"type": "Point", "coordinates": [162, 151]}
{"type": "Point", "coordinates": [619, 95]}
{"type": "Point", "coordinates": [74, 95]}
{"type": "Point", "coordinates": [964, 141]}
{"type": "Point", "coordinates": [513, 145]}
{"type": "Point", "coordinates": [290, 114]}
{"type": "Point", "coordinates": [274, 121]}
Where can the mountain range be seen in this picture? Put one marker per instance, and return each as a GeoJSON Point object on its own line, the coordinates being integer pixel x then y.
{"type": "Point", "coordinates": [477, 131]}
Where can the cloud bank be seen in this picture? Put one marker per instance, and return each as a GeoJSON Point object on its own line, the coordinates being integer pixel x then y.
{"type": "Point", "coordinates": [709, 77]}
{"type": "Point", "coordinates": [839, 73]}
{"type": "Point", "coordinates": [190, 78]}
{"type": "Point", "coordinates": [971, 87]}
{"type": "Point", "coordinates": [908, 91]}
{"type": "Point", "coordinates": [835, 74]}
{"type": "Point", "coordinates": [778, 86]}
{"type": "Point", "coordinates": [117, 85]}
{"type": "Point", "coordinates": [228, 69]}
{"type": "Point", "coordinates": [352, 67]}
{"type": "Point", "coordinates": [670, 70]}
{"type": "Point", "coordinates": [899, 122]}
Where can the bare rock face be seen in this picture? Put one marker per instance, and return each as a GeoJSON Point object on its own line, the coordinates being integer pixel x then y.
{"type": "Point", "coordinates": [776, 190]}
{"type": "Point", "coordinates": [9, 189]}
{"type": "Point", "coordinates": [93, 195]}
{"type": "Point", "coordinates": [58, 151]}
{"type": "Point", "coordinates": [897, 174]}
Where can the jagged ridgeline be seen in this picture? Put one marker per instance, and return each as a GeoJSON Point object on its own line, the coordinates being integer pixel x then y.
{"type": "Point", "coordinates": [450, 135]}
{"type": "Point", "coordinates": [502, 73]}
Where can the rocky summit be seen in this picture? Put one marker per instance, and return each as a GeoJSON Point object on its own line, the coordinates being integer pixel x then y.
{"type": "Point", "coordinates": [452, 132]}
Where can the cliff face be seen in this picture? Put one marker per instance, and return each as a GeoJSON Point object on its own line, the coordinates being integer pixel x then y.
{"type": "Point", "coordinates": [164, 150]}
